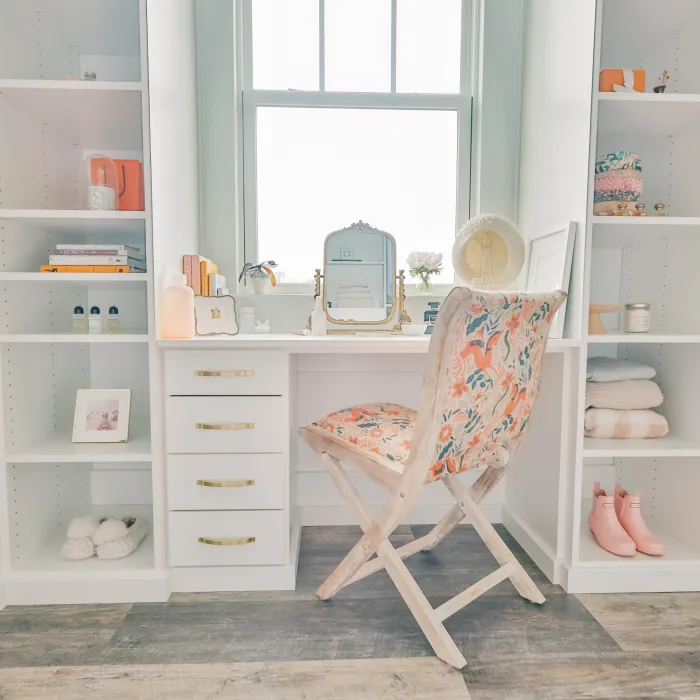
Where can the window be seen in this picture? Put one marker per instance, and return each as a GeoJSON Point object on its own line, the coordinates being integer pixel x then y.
{"type": "Point", "coordinates": [354, 109]}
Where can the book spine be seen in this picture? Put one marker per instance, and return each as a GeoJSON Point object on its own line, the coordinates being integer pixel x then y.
{"type": "Point", "coordinates": [95, 246]}
{"type": "Point", "coordinates": [93, 260]}
{"type": "Point", "coordinates": [85, 268]}
{"type": "Point", "coordinates": [187, 269]}
{"type": "Point", "coordinates": [204, 276]}
{"type": "Point", "coordinates": [196, 274]}
{"type": "Point", "coordinates": [90, 253]}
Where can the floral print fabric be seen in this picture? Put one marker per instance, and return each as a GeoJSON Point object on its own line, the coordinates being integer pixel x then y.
{"type": "Point", "coordinates": [489, 379]}
{"type": "Point", "coordinates": [383, 429]}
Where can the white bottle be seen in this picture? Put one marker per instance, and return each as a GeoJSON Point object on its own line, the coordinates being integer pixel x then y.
{"type": "Point", "coordinates": [177, 310]}
{"type": "Point", "coordinates": [318, 318]}
{"type": "Point", "coordinates": [95, 320]}
{"type": "Point", "coordinates": [246, 320]}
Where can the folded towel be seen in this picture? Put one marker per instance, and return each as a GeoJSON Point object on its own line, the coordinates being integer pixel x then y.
{"type": "Point", "coordinates": [620, 160]}
{"type": "Point", "coordinates": [610, 369]}
{"type": "Point", "coordinates": [608, 423]}
{"type": "Point", "coordinates": [628, 395]}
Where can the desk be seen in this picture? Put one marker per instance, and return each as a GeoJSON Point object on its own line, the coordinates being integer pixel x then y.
{"type": "Point", "coordinates": [233, 407]}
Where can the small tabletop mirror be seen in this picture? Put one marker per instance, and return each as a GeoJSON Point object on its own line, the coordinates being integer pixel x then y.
{"type": "Point", "coordinates": [360, 280]}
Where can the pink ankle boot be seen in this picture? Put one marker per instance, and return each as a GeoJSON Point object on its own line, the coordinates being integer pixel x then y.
{"type": "Point", "coordinates": [605, 526]}
{"type": "Point", "coordinates": [629, 513]}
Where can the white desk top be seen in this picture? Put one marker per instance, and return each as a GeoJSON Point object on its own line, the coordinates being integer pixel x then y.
{"type": "Point", "coordinates": [341, 344]}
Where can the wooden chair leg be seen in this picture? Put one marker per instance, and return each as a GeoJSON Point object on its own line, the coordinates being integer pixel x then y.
{"type": "Point", "coordinates": [520, 578]}
{"type": "Point", "coordinates": [410, 591]}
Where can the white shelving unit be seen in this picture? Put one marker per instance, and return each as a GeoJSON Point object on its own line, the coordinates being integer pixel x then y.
{"type": "Point", "coordinates": [52, 122]}
{"type": "Point", "coordinates": [567, 123]}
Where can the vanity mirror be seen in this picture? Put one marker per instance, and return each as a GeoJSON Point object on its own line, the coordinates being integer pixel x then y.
{"type": "Point", "coordinates": [360, 286]}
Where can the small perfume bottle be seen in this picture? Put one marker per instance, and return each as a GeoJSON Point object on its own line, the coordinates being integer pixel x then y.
{"type": "Point", "coordinates": [95, 320]}
{"type": "Point", "coordinates": [622, 209]}
{"type": "Point", "coordinates": [114, 324]}
{"type": "Point", "coordinates": [430, 316]}
{"type": "Point", "coordinates": [80, 324]}
{"type": "Point", "coordinates": [659, 210]}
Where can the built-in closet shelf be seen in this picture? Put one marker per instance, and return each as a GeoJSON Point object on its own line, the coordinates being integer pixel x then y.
{"type": "Point", "coordinates": [74, 337]}
{"type": "Point", "coordinates": [94, 118]}
{"type": "Point", "coordinates": [650, 114]}
{"type": "Point", "coordinates": [669, 446]}
{"type": "Point", "coordinates": [77, 277]}
{"type": "Point", "coordinates": [661, 221]}
{"type": "Point", "coordinates": [70, 218]}
{"type": "Point", "coordinates": [591, 554]}
{"type": "Point", "coordinates": [641, 338]}
{"type": "Point", "coordinates": [59, 449]}
{"type": "Point", "coordinates": [11, 86]}
{"type": "Point", "coordinates": [48, 560]}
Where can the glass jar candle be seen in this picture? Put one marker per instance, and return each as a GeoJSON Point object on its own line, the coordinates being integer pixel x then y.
{"type": "Point", "coordinates": [637, 318]}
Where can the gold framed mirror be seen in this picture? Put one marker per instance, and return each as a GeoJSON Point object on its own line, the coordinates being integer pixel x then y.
{"type": "Point", "coordinates": [360, 287]}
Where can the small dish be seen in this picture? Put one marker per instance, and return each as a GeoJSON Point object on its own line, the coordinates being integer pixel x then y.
{"type": "Point", "coordinates": [414, 329]}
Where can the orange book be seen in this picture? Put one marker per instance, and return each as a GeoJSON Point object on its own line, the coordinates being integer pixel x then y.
{"type": "Point", "coordinates": [206, 268]}
{"type": "Point", "coordinates": [85, 268]}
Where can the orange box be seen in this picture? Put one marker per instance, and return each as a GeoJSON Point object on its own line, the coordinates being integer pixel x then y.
{"type": "Point", "coordinates": [85, 268]}
{"type": "Point", "coordinates": [615, 76]}
{"type": "Point", "coordinates": [130, 186]}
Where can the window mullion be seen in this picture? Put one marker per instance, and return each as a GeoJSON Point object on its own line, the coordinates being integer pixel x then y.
{"type": "Point", "coordinates": [394, 4]}
{"type": "Point", "coordinates": [322, 45]}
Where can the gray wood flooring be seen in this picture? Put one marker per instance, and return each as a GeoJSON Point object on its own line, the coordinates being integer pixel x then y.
{"type": "Point", "coordinates": [363, 644]}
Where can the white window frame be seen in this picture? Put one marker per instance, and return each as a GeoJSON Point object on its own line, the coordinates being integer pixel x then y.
{"type": "Point", "coordinates": [461, 103]}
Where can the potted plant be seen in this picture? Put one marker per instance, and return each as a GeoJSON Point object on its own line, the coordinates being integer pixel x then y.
{"type": "Point", "coordinates": [261, 276]}
{"type": "Point", "coordinates": [422, 266]}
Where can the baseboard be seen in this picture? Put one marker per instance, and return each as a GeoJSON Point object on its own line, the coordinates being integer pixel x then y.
{"type": "Point", "coordinates": [212, 579]}
{"type": "Point", "coordinates": [631, 579]}
{"type": "Point", "coordinates": [47, 589]}
{"type": "Point", "coordinates": [419, 515]}
{"type": "Point", "coordinates": [537, 549]}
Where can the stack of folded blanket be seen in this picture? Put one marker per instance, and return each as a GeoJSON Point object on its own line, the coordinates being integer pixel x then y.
{"type": "Point", "coordinates": [619, 399]}
{"type": "Point", "coordinates": [618, 178]}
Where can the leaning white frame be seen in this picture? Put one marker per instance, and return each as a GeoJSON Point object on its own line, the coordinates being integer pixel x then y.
{"type": "Point", "coordinates": [461, 103]}
{"type": "Point", "coordinates": [569, 230]}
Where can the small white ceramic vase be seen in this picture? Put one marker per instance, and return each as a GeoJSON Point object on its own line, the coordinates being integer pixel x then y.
{"type": "Point", "coordinates": [262, 283]}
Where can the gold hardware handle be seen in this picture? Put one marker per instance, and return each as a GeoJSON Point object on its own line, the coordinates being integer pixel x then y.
{"type": "Point", "coordinates": [226, 543]}
{"type": "Point", "coordinates": [224, 373]}
{"type": "Point", "coordinates": [226, 484]}
{"type": "Point", "coordinates": [224, 426]}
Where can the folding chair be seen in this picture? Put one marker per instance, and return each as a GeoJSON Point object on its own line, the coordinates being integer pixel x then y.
{"type": "Point", "coordinates": [480, 383]}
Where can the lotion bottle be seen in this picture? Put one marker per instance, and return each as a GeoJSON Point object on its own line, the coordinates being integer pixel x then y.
{"type": "Point", "coordinates": [95, 320]}
{"type": "Point", "coordinates": [318, 318]}
{"type": "Point", "coordinates": [80, 324]}
{"type": "Point", "coordinates": [113, 321]}
{"type": "Point", "coordinates": [177, 310]}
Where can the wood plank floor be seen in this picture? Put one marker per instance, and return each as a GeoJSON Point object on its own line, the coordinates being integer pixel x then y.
{"type": "Point", "coordinates": [363, 644]}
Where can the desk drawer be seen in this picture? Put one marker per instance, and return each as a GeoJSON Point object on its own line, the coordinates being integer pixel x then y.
{"type": "Point", "coordinates": [226, 482]}
{"type": "Point", "coordinates": [226, 373]}
{"type": "Point", "coordinates": [232, 538]}
{"type": "Point", "coordinates": [197, 424]}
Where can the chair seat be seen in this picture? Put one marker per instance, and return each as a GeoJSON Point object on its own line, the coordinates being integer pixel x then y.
{"type": "Point", "coordinates": [382, 430]}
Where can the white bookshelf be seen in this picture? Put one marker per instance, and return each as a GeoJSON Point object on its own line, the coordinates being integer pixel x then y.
{"type": "Point", "coordinates": [54, 122]}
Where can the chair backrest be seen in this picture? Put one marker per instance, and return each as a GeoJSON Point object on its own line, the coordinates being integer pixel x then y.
{"type": "Point", "coordinates": [482, 378]}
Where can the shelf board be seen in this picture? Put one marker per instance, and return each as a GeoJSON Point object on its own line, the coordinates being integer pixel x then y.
{"type": "Point", "coordinates": [647, 113]}
{"type": "Point", "coordinates": [591, 554]}
{"type": "Point", "coordinates": [73, 277]}
{"type": "Point", "coordinates": [354, 262]}
{"type": "Point", "coordinates": [642, 338]}
{"type": "Point", "coordinates": [48, 560]}
{"type": "Point", "coordinates": [661, 221]}
{"type": "Point", "coordinates": [127, 337]}
{"type": "Point", "coordinates": [59, 449]}
{"type": "Point", "coordinates": [100, 115]}
{"type": "Point", "coordinates": [669, 446]}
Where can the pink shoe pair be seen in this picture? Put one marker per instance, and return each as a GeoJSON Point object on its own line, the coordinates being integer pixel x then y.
{"type": "Point", "coordinates": [617, 524]}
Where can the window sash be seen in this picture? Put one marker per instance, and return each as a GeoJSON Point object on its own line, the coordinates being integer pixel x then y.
{"type": "Point", "coordinates": [251, 99]}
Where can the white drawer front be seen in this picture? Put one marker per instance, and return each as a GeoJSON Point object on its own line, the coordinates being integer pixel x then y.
{"type": "Point", "coordinates": [226, 373]}
{"type": "Point", "coordinates": [226, 482]}
{"type": "Point", "coordinates": [226, 536]}
{"type": "Point", "coordinates": [226, 424]}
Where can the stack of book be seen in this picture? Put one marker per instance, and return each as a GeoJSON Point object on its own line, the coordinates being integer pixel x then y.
{"type": "Point", "coordinates": [108, 257]}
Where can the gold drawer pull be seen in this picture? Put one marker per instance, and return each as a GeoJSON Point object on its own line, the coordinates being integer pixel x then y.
{"type": "Point", "coordinates": [224, 426]}
{"type": "Point", "coordinates": [226, 484]}
{"type": "Point", "coordinates": [226, 543]}
{"type": "Point", "coordinates": [224, 373]}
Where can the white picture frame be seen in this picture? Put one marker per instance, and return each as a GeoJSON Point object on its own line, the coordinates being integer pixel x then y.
{"type": "Point", "coordinates": [215, 315]}
{"type": "Point", "coordinates": [102, 415]}
{"type": "Point", "coordinates": [549, 259]}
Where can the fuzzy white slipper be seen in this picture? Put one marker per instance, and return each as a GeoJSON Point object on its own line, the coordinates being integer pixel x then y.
{"type": "Point", "coordinates": [136, 529]}
{"type": "Point", "coordinates": [76, 548]}
{"type": "Point", "coordinates": [83, 527]}
{"type": "Point", "coordinates": [109, 530]}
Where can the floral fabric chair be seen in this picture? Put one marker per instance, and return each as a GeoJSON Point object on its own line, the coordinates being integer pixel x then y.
{"type": "Point", "coordinates": [481, 381]}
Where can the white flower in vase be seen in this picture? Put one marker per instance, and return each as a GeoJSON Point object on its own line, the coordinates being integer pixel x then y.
{"type": "Point", "coordinates": [422, 266]}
